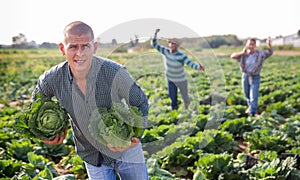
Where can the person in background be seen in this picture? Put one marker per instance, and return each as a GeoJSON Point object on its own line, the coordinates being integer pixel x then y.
{"type": "Point", "coordinates": [251, 62]}
{"type": "Point", "coordinates": [174, 69]}
{"type": "Point", "coordinates": [83, 83]}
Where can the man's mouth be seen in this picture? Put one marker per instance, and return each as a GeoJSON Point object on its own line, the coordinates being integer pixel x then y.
{"type": "Point", "coordinates": [79, 61]}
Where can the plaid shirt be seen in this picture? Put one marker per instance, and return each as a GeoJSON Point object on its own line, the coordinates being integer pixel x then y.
{"type": "Point", "coordinates": [106, 82]}
{"type": "Point", "coordinates": [260, 56]}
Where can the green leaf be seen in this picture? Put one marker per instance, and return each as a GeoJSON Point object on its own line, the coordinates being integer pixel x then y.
{"type": "Point", "coordinates": [43, 119]}
{"type": "Point", "coordinates": [116, 126]}
{"type": "Point", "coordinates": [46, 173]}
{"type": "Point", "coordinates": [37, 161]}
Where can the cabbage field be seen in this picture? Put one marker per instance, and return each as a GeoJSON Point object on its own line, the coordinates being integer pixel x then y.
{"type": "Point", "coordinates": [213, 139]}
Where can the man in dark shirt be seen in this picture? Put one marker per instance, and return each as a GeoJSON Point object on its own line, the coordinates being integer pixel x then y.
{"type": "Point", "coordinates": [83, 83]}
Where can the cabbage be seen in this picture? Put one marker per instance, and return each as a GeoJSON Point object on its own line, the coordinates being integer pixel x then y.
{"type": "Point", "coordinates": [43, 119]}
{"type": "Point", "coordinates": [116, 126]}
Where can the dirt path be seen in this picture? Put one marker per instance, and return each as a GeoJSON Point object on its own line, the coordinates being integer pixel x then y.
{"type": "Point", "coordinates": [286, 53]}
{"type": "Point", "coordinates": [276, 52]}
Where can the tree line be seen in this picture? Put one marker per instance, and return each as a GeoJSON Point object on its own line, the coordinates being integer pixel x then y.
{"type": "Point", "coordinates": [20, 42]}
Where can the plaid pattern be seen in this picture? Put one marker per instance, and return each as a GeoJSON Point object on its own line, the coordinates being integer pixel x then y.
{"type": "Point", "coordinates": [107, 82]}
{"type": "Point", "coordinates": [259, 55]}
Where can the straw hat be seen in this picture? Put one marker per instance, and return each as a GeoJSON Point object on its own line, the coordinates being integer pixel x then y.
{"type": "Point", "coordinates": [175, 40]}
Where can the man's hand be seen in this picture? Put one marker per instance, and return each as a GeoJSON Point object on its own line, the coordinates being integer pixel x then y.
{"type": "Point", "coordinates": [236, 55]}
{"type": "Point", "coordinates": [201, 68]}
{"type": "Point", "coordinates": [156, 31]}
{"type": "Point", "coordinates": [244, 51]}
{"type": "Point", "coordinates": [134, 141]}
{"type": "Point", "coordinates": [268, 41]}
{"type": "Point", "coordinates": [57, 139]}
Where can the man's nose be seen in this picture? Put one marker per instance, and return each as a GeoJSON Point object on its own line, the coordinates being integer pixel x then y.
{"type": "Point", "coordinates": [80, 51]}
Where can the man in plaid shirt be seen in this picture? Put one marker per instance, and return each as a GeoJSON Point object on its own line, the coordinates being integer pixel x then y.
{"type": "Point", "coordinates": [83, 83]}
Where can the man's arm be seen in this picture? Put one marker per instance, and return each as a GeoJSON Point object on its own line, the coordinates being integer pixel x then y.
{"type": "Point", "coordinates": [269, 44]}
{"type": "Point", "coordinates": [125, 87]}
{"type": "Point", "coordinates": [155, 34]}
{"type": "Point", "coordinates": [157, 46]}
{"type": "Point", "coordinates": [269, 51]}
{"type": "Point", "coordinates": [192, 64]}
{"type": "Point", "coordinates": [44, 89]}
{"type": "Point", "coordinates": [236, 55]}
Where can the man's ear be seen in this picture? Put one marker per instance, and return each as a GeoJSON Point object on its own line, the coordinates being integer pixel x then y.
{"type": "Point", "coordinates": [62, 48]}
{"type": "Point", "coordinates": [95, 47]}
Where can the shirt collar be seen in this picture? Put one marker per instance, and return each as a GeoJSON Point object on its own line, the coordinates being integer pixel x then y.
{"type": "Point", "coordinates": [70, 76]}
{"type": "Point", "coordinates": [90, 75]}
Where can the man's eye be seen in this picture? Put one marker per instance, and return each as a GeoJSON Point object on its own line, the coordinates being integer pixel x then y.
{"type": "Point", "coordinates": [72, 47]}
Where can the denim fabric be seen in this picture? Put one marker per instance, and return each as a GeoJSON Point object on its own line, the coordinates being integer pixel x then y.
{"type": "Point", "coordinates": [172, 88]}
{"type": "Point", "coordinates": [183, 87]}
{"type": "Point", "coordinates": [251, 90]}
{"type": "Point", "coordinates": [130, 166]}
{"type": "Point", "coordinates": [126, 171]}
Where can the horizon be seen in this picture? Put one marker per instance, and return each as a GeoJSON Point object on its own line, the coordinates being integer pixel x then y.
{"type": "Point", "coordinates": [211, 18]}
{"type": "Point", "coordinates": [143, 39]}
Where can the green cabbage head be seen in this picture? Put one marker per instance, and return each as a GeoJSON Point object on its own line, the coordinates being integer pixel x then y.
{"type": "Point", "coordinates": [44, 119]}
{"type": "Point", "coordinates": [116, 126]}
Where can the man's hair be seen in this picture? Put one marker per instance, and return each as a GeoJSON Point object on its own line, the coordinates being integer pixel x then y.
{"type": "Point", "coordinates": [78, 28]}
{"type": "Point", "coordinates": [252, 39]}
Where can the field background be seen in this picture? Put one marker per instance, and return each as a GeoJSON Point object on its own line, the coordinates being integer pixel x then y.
{"type": "Point", "coordinates": [216, 140]}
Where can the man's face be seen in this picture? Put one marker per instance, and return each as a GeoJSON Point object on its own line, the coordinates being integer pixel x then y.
{"type": "Point", "coordinates": [79, 51]}
{"type": "Point", "coordinates": [251, 45]}
{"type": "Point", "coordinates": [173, 46]}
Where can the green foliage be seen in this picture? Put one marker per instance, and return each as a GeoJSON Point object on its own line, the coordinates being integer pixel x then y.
{"type": "Point", "coordinates": [276, 169]}
{"type": "Point", "coordinates": [267, 139]}
{"type": "Point", "coordinates": [18, 149]}
{"type": "Point", "coordinates": [156, 172]}
{"type": "Point", "coordinates": [214, 166]}
{"type": "Point", "coordinates": [116, 126]}
{"type": "Point", "coordinates": [179, 138]}
{"type": "Point", "coordinates": [236, 126]}
{"type": "Point", "coordinates": [283, 47]}
{"type": "Point", "coordinates": [44, 119]}
{"type": "Point", "coordinates": [218, 41]}
{"type": "Point", "coordinates": [214, 141]}
{"type": "Point", "coordinates": [57, 150]}
{"type": "Point", "coordinates": [39, 166]}
{"type": "Point", "coordinates": [8, 168]}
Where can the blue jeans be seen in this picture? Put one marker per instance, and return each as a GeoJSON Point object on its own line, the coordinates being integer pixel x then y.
{"type": "Point", "coordinates": [130, 171]}
{"type": "Point", "coordinates": [251, 90]}
{"type": "Point", "coordinates": [173, 90]}
{"type": "Point", "coordinates": [131, 166]}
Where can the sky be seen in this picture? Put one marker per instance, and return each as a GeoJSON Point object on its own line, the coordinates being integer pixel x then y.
{"type": "Point", "coordinates": [43, 21]}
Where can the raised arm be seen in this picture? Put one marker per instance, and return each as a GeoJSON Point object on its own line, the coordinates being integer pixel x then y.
{"type": "Point", "coordinates": [269, 51]}
{"type": "Point", "coordinates": [160, 48]}
{"type": "Point", "coordinates": [269, 44]}
{"type": "Point", "coordinates": [155, 33]}
{"type": "Point", "coordinates": [236, 55]}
